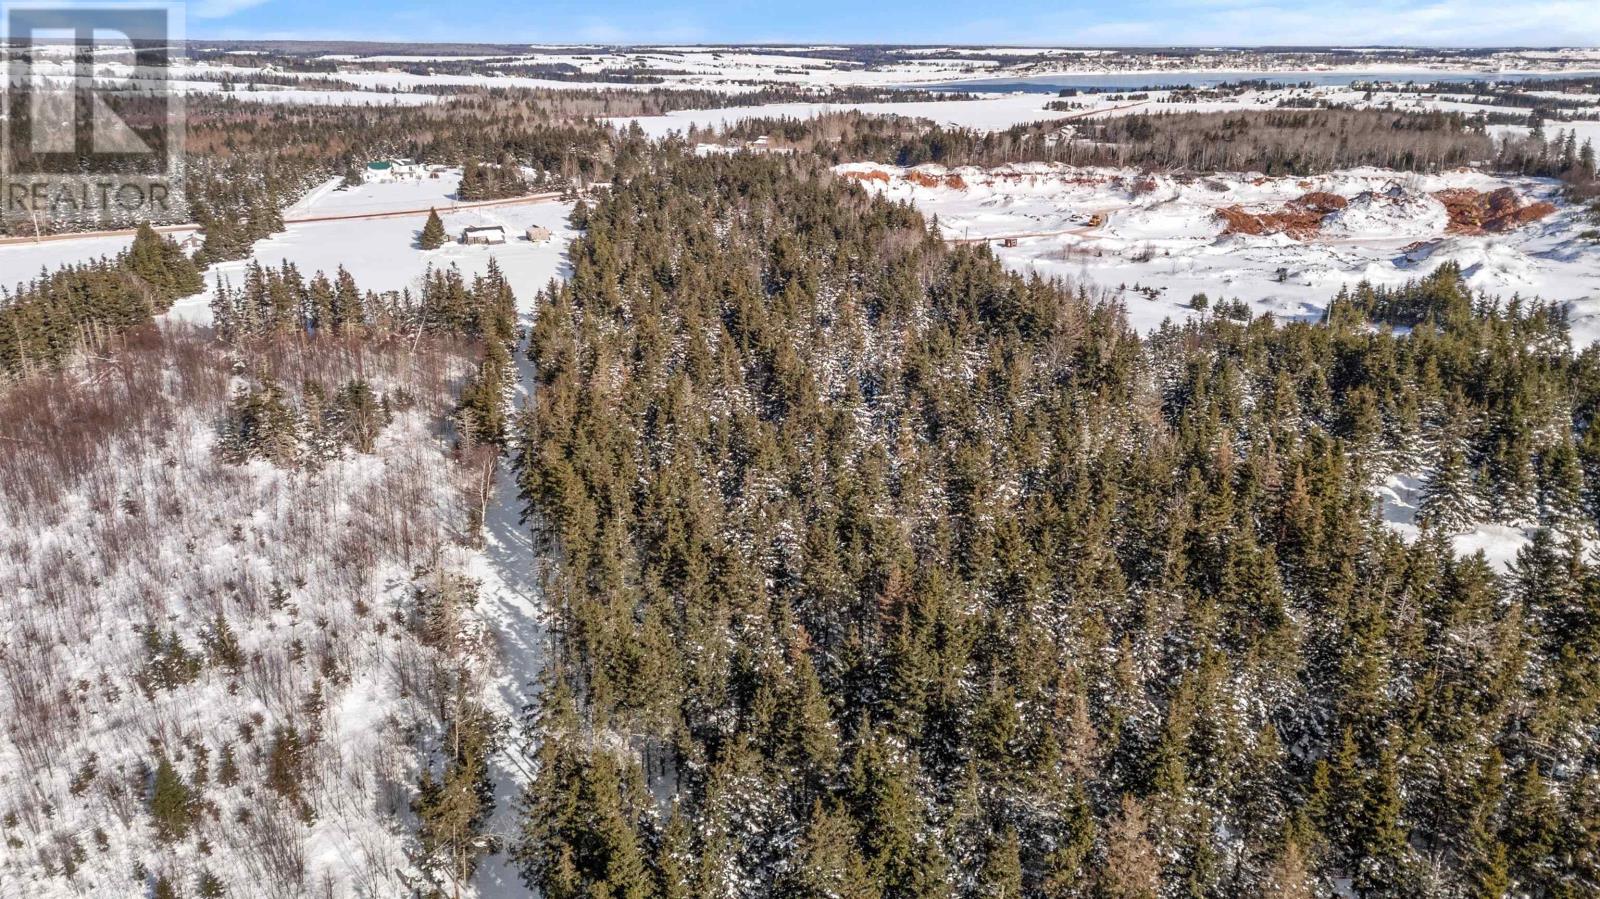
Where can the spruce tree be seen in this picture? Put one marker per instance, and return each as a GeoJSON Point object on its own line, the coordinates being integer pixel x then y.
{"type": "Point", "coordinates": [433, 235]}
{"type": "Point", "coordinates": [159, 262]}
{"type": "Point", "coordinates": [827, 860]}
{"type": "Point", "coordinates": [1449, 498]}
{"type": "Point", "coordinates": [1561, 492]}
{"type": "Point", "coordinates": [1001, 877]}
{"type": "Point", "coordinates": [453, 807]}
{"type": "Point", "coordinates": [1380, 845]}
{"type": "Point", "coordinates": [1289, 876]}
{"type": "Point", "coordinates": [171, 803]}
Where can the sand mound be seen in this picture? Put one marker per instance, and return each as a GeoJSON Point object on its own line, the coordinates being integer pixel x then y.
{"type": "Point", "coordinates": [1321, 201]}
{"type": "Point", "coordinates": [1301, 218]}
{"type": "Point", "coordinates": [867, 175]}
{"type": "Point", "coordinates": [1475, 212]}
{"type": "Point", "coordinates": [931, 179]}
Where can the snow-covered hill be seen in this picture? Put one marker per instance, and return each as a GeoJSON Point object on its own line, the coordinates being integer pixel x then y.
{"type": "Point", "coordinates": [253, 630]}
{"type": "Point", "coordinates": [1159, 239]}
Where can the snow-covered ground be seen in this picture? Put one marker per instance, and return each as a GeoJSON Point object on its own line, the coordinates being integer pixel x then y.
{"type": "Point", "coordinates": [311, 573]}
{"type": "Point", "coordinates": [1000, 110]}
{"type": "Point", "coordinates": [291, 96]}
{"type": "Point", "coordinates": [22, 261]}
{"type": "Point", "coordinates": [508, 569]}
{"type": "Point", "coordinates": [192, 535]}
{"type": "Point", "coordinates": [1157, 234]}
{"type": "Point", "coordinates": [1398, 499]}
{"type": "Point", "coordinates": [1156, 241]}
{"type": "Point", "coordinates": [739, 68]}
{"type": "Point", "coordinates": [380, 252]}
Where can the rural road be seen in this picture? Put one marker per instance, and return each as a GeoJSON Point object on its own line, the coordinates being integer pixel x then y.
{"type": "Point", "coordinates": [396, 213]}
{"type": "Point", "coordinates": [1097, 218]}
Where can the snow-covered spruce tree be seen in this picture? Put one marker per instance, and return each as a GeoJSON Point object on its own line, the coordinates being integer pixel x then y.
{"type": "Point", "coordinates": [261, 424]}
{"type": "Point", "coordinates": [361, 415]}
{"type": "Point", "coordinates": [1450, 500]}
{"type": "Point", "coordinates": [320, 438]}
{"type": "Point", "coordinates": [955, 488]}
{"type": "Point", "coordinates": [1561, 491]}
{"type": "Point", "coordinates": [160, 263]}
{"type": "Point", "coordinates": [482, 415]}
{"type": "Point", "coordinates": [453, 805]}
{"type": "Point", "coordinates": [1509, 482]}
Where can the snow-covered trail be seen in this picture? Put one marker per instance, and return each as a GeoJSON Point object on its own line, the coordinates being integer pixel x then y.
{"type": "Point", "coordinates": [510, 603]}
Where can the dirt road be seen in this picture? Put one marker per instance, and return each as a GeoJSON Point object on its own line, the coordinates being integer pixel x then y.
{"type": "Point", "coordinates": [1096, 219]}
{"type": "Point", "coordinates": [395, 213]}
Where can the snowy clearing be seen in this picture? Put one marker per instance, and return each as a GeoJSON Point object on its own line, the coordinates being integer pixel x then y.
{"type": "Point", "coordinates": [1160, 240]}
{"type": "Point", "coordinates": [380, 253]}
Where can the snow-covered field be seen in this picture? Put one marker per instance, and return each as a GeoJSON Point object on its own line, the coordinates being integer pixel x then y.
{"type": "Point", "coordinates": [1001, 110]}
{"type": "Point", "coordinates": [744, 69]}
{"type": "Point", "coordinates": [380, 252]}
{"type": "Point", "coordinates": [1122, 230]}
{"type": "Point", "coordinates": [291, 96]}
{"type": "Point", "coordinates": [740, 68]}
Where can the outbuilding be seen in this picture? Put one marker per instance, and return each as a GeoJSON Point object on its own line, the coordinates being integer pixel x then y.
{"type": "Point", "coordinates": [539, 234]}
{"type": "Point", "coordinates": [489, 234]}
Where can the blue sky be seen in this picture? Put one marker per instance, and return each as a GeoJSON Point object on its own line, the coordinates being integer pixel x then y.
{"type": "Point", "coordinates": [1016, 22]}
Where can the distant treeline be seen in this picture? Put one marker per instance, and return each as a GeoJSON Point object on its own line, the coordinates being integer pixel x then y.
{"type": "Point", "coordinates": [246, 161]}
{"type": "Point", "coordinates": [1276, 142]}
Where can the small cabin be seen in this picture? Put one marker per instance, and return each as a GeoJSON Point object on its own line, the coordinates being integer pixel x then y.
{"type": "Point", "coordinates": [539, 234]}
{"type": "Point", "coordinates": [484, 234]}
{"type": "Point", "coordinates": [1008, 241]}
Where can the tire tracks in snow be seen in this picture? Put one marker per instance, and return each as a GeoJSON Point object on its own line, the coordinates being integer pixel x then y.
{"type": "Point", "coordinates": [511, 603]}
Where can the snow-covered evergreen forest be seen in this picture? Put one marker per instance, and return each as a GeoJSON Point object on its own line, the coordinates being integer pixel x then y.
{"type": "Point", "coordinates": [885, 572]}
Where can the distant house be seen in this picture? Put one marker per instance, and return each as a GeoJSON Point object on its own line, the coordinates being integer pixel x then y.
{"type": "Point", "coordinates": [193, 242]}
{"type": "Point", "coordinates": [488, 234]}
{"type": "Point", "coordinates": [380, 170]}
{"type": "Point", "coordinates": [762, 144]}
{"type": "Point", "coordinates": [539, 234]}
